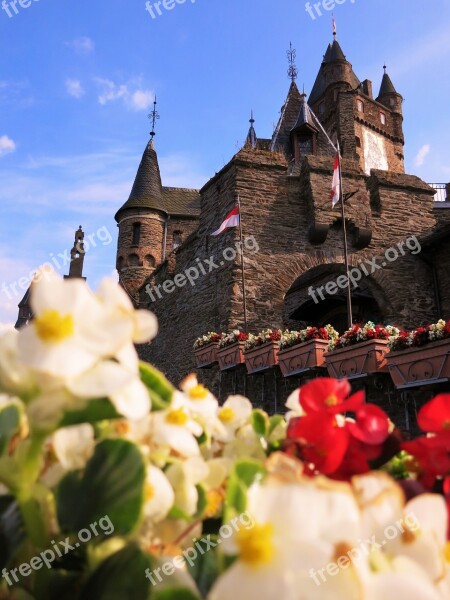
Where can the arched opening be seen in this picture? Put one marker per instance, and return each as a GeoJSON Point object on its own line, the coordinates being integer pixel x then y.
{"type": "Point", "coordinates": [133, 260]}
{"type": "Point", "coordinates": [307, 302]}
{"type": "Point", "coordinates": [136, 234]}
{"type": "Point", "coordinates": [150, 261]}
{"type": "Point", "coordinates": [177, 239]}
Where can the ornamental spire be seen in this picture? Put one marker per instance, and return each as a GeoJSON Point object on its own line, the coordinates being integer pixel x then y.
{"type": "Point", "coordinates": [292, 55]}
{"type": "Point", "coordinates": [153, 116]}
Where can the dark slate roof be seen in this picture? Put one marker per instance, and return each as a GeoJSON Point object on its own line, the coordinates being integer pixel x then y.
{"type": "Point", "coordinates": [305, 118]}
{"type": "Point", "coordinates": [149, 194]}
{"type": "Point", "coordinates": [147, 187]}
{"type": "Point", "coordinates": [334, 53]}
{"type": "Point", "coordinates": [387, 87]}
{"type": "Point", "coordinates": [251, 140]}
{"type": "Point", "coordinates": [288, 118]}
{"type": "Point", "coordinates": [181, 201]}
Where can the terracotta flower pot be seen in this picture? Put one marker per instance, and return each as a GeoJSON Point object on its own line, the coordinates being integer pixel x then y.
{"type": "Point", "coordinates": [358, 360]}
{"type": "Point", "coordinates": [262, 357]}
{"type": "Point", "coordinates": [302, 357]}
{"type": "Point", "coordinates": [231, 356]}
{"type": "Point", "coordinates": [206, 355]}
{"type": "Point", "coordinates": [420, 366]}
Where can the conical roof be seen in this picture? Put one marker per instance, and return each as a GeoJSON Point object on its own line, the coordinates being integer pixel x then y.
{"type": "Point", "coordinates": [147, 192]}
{"type": "Point", "coordinates": [288, 118]}
{"type": "Point", "coordinates": [251, 140]}
{"type": "Point", "coordinates": [387, 87]}
{"type": "Point", "coordinates": [332, 55]}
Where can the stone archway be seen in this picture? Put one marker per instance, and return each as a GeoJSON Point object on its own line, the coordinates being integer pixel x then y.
{"type": "Point", "coordinates": [303, 308]}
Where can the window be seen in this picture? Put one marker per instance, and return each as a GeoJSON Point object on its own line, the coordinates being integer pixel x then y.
{"type": "Point", "coordinates": [177, 239]}
{"type": "Point", "coordinates": [360, 106]}
{"type": "Point", "coordinates": [335, 95]}
{"type": "Point", "coordinates": [136, 234]}
{"type": "Point", "coordinates": [383, 118]}
{"type": "Point", "coordinates": [305, 145]}
{"type": "Point", "coordinates": [150, 261]}
{"type": "Point", "coordinates": [392, 101]}
{"type": "Point", "coordinates": [321, 108]}
{"type": "Point", "coordinates": [358, 142]}
{"type": "Point", "coordinates": [133, 260]}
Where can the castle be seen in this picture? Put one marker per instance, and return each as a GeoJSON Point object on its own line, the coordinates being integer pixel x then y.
{"type": "Point", "coordinates": [283, 184]}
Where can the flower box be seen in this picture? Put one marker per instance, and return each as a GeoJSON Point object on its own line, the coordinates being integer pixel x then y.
{"type": "Point", "coordinates": [261, 358]}
{"type": "Point", "coordinates": [425, 365]}
{"type": "Point", "coordinates": [205, 356]}
{"type": "Point", "coordinates": [231, 356]}
{"type": "Point", "coordinates": [358, 360]}
{"type": "Point", "coordinates": [302, 357]}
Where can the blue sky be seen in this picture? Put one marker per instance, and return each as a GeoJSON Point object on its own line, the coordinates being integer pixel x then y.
{"type": "Point", "coordinates": [77, 79]}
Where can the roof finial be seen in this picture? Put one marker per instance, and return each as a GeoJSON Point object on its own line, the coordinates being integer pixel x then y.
{"type": "Point", "coordinates": [252, 120]}
{"type": "Point", "coordinates": [292, 55]}
{"type": "Point", "coordinates": [334, 26]}
{"type": "Point", "coordinates": [385, 68]}
{"type": "Point", "coordinates": [154, 116]}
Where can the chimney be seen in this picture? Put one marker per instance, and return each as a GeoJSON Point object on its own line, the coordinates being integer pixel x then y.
{"type": "Point", "coordinates": [367, 88]}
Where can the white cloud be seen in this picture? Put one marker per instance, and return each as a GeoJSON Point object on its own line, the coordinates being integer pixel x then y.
{"type": "Point", "coordinates": [141, 99]}
{"type": "Point", "coordinates": [7, 145]}
{"type": "Point", "coordinates": [74, 88]}
{"type": "Point", "coordinates": [82, 45]}
{"type": "Point", "coordinates": [131, 93]}
{"type": "Point", "coordinates": [422, 154]}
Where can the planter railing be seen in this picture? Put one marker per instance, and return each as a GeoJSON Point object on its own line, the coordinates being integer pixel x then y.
{"type": "Point", "coordinates": [302, 357]}
{"type": "Point", "coordinates": [206, 356]}
{"type": "Point", "coordinates": [426, 365]}
{"type": "Point", "coordinates": [262, 358]}
{"type": "Point", "coordinates": [231, 356]}
{"type": "Point", "coordinates": [359, 360]}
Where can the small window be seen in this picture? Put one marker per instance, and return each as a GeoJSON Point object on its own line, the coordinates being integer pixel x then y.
{"type": "Point", "coordinates": [133, 260]}
{"type": "Point", "coordinates": [305, 145]}
{"type": "Point", "coordinates": [177, 239]}
{"type": "Point", "coordinates": [335, 95]}
{"type": "Point", "coordinates": [360, 106]}
{"type": "Point", "coordinates": [150, 261]}
{"type": "Point", "coordinates": [321, 108]}
{"type": "Point", "coordinates": [392, 101]}
{"type": "Point", "coordinates": [383, 118]}
{"type": "Point", "coordinates": [358, 142]}
{"type": "Point", "coordinates": [136, 234]}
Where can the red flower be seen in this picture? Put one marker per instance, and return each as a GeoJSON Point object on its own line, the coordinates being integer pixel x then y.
{"type": "Point", "coordinates": [318, 441]}
{"type": "Point", "coordinates": [371, 426]}
{"type": "Point", "coordinates": [329, 395]}
{"type": "Point", "coordinates": [432, 456]}
{"type": "Point", "coordinates": [434, 417]}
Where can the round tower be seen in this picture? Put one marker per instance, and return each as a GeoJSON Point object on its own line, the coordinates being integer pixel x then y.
{"type": "Point", "coordinates": [142, 224]}
{"type": "Point", "coordinates": [389, 96]}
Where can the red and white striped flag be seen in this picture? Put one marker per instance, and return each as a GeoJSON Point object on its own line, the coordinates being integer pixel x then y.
{"type": "Point", "coordinates": [336, 185]}
{"type": "Point", "coordinates": [231, 220]}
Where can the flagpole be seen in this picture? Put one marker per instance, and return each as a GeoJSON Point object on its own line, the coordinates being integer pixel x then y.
{"type": "Point", "coordinates": [242, 265]}
{"type": "Point", "coordinates": [344, 229]}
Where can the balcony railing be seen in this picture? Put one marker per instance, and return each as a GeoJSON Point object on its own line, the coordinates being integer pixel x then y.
{"type": "Point", "coordinates": [441, 192]}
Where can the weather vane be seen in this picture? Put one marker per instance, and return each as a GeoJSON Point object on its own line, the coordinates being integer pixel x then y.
{"type": "Point", "coordinates": [292, 71]}
{"type": "Point", "coordinates": [154, 116]}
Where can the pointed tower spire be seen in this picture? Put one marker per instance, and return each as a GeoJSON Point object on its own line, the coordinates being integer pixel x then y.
{"type": "Point", "coordinates": [388, 94]}
{"type": "Point", "coordinates": [77, 256]}
{"type": "Point", "coordinates": [252, 140]}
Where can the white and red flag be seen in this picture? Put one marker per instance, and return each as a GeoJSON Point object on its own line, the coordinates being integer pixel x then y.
{"type": "Point", "coordinates": [231, 220]}
{"type": "Point", "coordinates": [336, 185]}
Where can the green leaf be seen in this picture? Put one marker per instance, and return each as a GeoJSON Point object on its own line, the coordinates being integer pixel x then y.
{"type": "Point", "coordinates": [274, 422]}
{"type": "Point", "coordinates": [243, 475]}
{"type": "Point", "coordinates": [100, 409]}
{"type": "Point", "coordinates": [175, 594]}
{"type": "Point", "coordinates": [9, 425]}
{"type": "Point", "coordinates": [159, 388]}
{"type": "Point", "coordinates": [111, 485]}
{"type": "Point", "coordinates": [120, 577]}
{"type": "Point", "coordinates": [205, 569]}
{"type": "Point", "coordinates": [260, 422]}
{"type": "Point", "coordinates": [202, 501]}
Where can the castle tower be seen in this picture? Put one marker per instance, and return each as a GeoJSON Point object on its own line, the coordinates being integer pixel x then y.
{"type": "Point", "coordinates": [77, 256]}
{"type": "Point", "coordinates": [369, 131]}
{"type": "Point", "coordinates": [142, 223]}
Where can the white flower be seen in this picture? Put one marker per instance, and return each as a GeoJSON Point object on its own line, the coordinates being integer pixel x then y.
{"type": "Point", "coordinates": [184, 477]}
{"type": "Point", "coordinates": [159, 496]}
{"type": "Point", "coordinates": [235, 413]}
{"type": "Point", "coordinates": [176, 429]}
{"type": "Point", "coordinates": [74, 446]}
{"type": "Point", "coordinates": [69, 332]}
